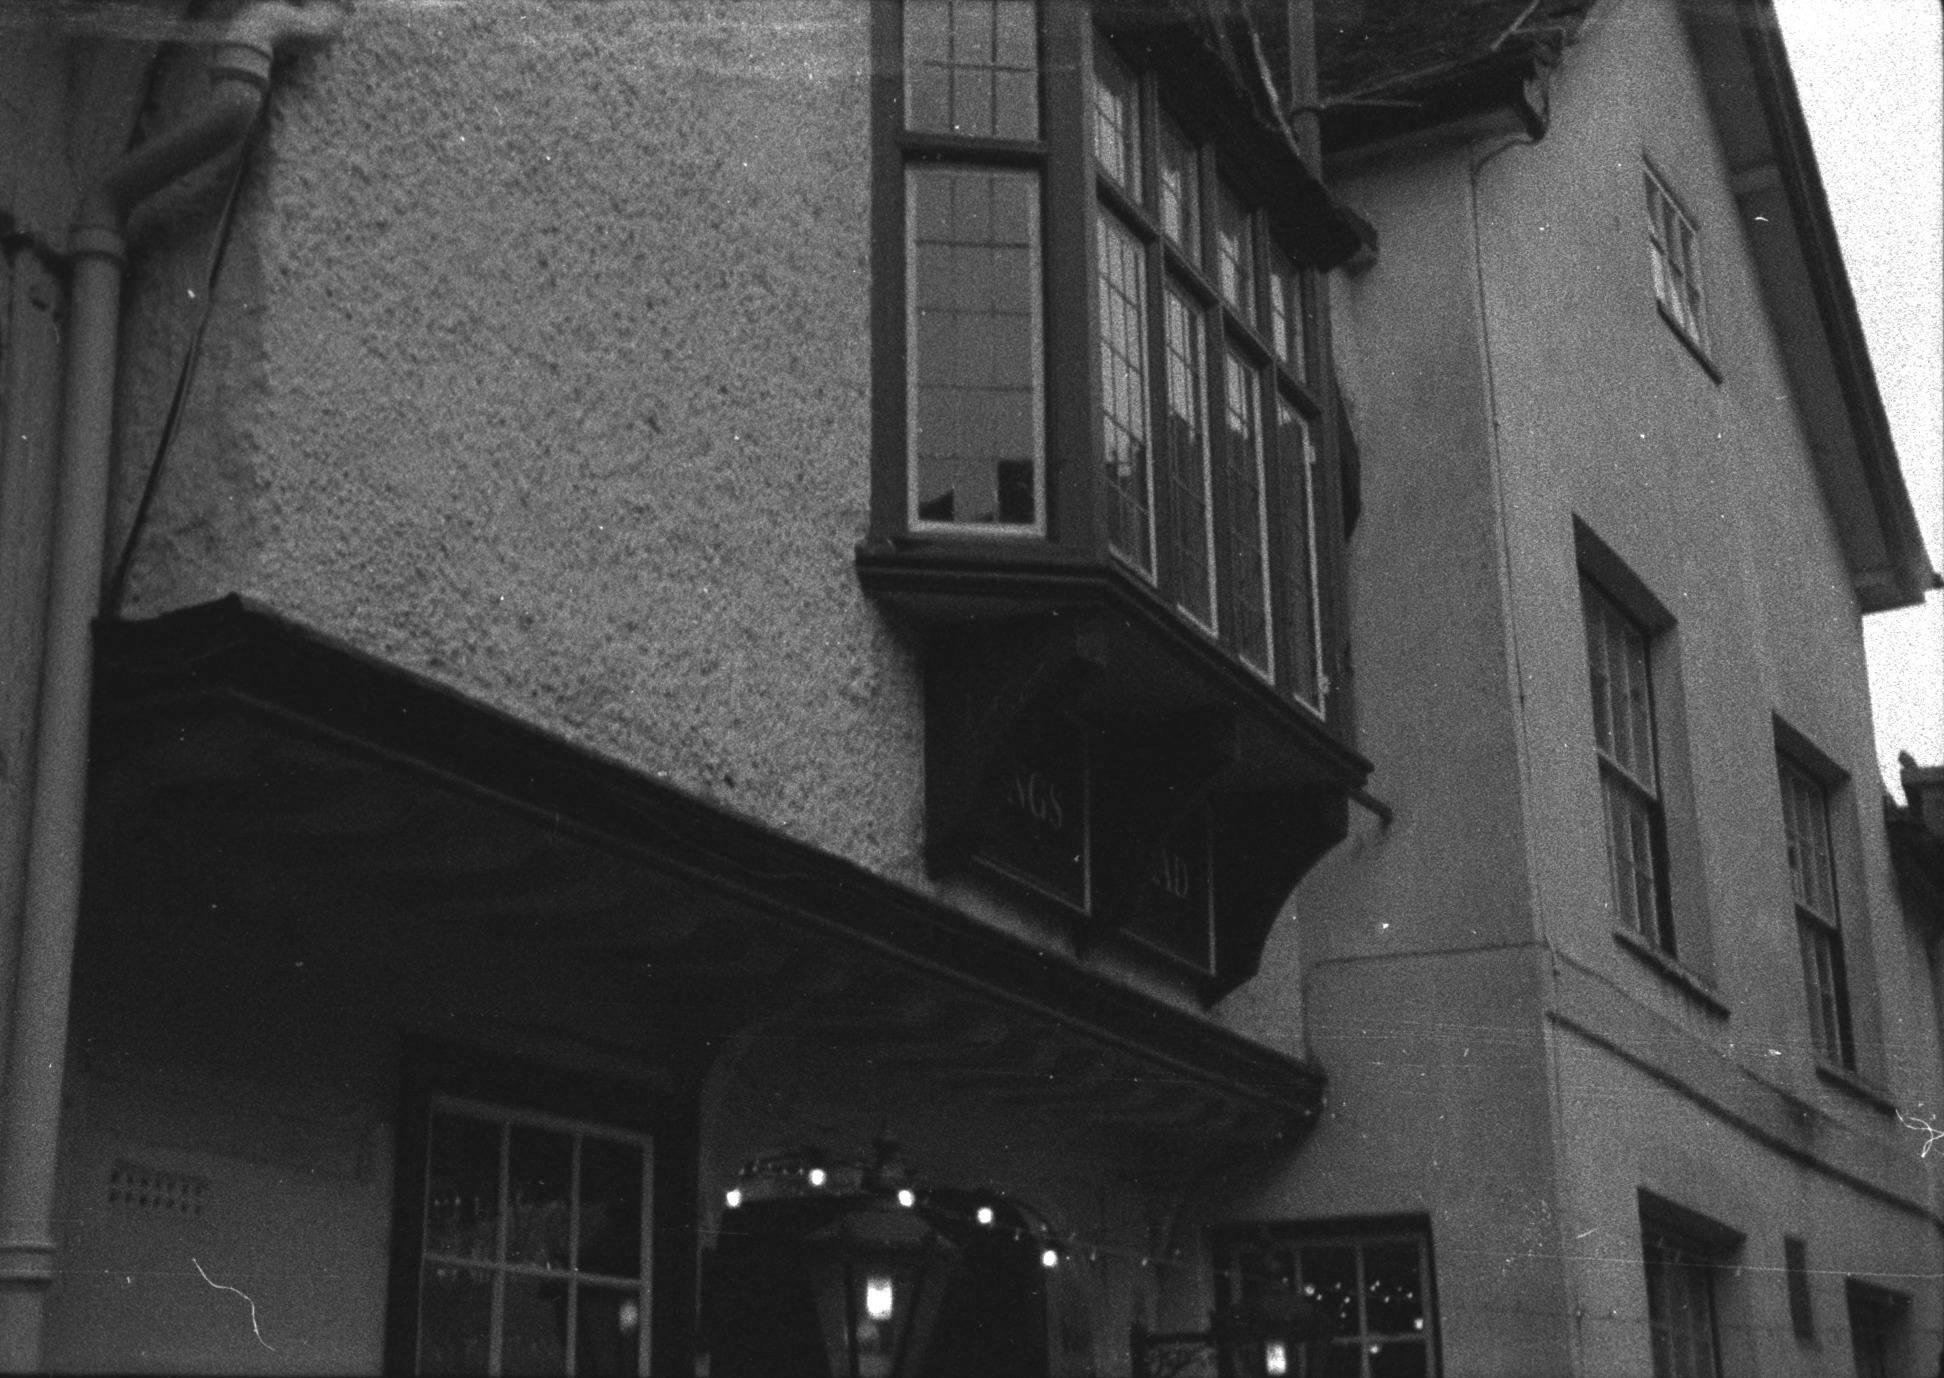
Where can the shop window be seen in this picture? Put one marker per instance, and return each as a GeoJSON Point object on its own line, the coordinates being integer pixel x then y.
{"type": "Point", "coordinates": [533, 1245]}
{"type": "Point", "coordinates": [1372, 1285]}
{"type": "Point", "coordinates": [523, 1236]}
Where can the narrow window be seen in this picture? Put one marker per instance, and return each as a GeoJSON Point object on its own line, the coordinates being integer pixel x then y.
{"type": "Point", "coordinates": [1624, 742]}
{"type": "Point", "coordinates": [1795, 1261]}
{"type": "Point", "coordinates": [1180, 191]}
{"type": "Point", "coordinates": [1680, 1306]}
{"type": "Point", "coordinates": [533, 1247]}
{"type": "Point", "coordinates": [1248, 605]}
{"type": "Point", "coordinates": [1286, 313]}
{"type": "Point", "coordinates": [1117, 121]}
{"type": "Point", "coordinates": [1812, 879]}
{"type": "Point", "coordinates": [973, 266]}
{"type": "Point", "coordinates": [1191, 512]}
{"type": "Point", "coordinates": [1675, 249]}
{"type": "Point", "coordinates": [972, 68]}
{"type": "Point", "coordinates": [1124, 392]}
{"type": "Point", "coordinates": [1235, 253]}
{"type": "Point", "coordinates": [1305, 623]}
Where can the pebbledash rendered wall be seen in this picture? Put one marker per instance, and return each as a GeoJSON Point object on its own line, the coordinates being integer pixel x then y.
{"type": "Point", "coordinates": [1499, 1062]}
{"type": "Point", "coordinates": [540, 364]}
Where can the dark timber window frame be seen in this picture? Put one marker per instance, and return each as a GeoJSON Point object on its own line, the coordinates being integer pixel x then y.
{"type": "Point", "coordinates": [1294, 572]}
{"type": "Point", "coordinates": [1051, 575]}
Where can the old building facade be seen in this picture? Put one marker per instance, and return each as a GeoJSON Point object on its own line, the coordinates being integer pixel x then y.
{"type": "Point", "coordinates": [810, 686]}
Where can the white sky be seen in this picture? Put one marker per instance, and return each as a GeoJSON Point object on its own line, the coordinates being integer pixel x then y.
{"type": "Point", "coordinates": [1870, 73]}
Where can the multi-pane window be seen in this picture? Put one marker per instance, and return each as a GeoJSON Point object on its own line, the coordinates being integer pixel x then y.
{"type": "Point", "coordinates": [1374, 1288]}
{"type": "Point", "coordinates": [1812, 880]}
{"type": "Point", "coordinates": [973, 296]}
{"type": "Point", "coordinates": [1680, 1305]}
{"type": "Point", "coordinates": [1618, 666]}
{"type": "Point", "coordinates": [1197, 328]}
{"type": "Point", "coordinates": [534, 1245]}
{"type": "Point", "coordinates": [1107, 322]}
{"type": "Point", "coordinates": [1675, 249]}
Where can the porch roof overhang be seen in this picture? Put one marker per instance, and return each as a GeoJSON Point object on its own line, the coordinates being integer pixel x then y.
{"type": "Point", "coordinates": [239, 725]}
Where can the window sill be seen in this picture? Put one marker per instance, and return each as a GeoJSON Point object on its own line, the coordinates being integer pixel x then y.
{"type": "Point", "coordinates": [1670, 970]}
{"type": "Point", "coordinates": [1868, 1092]}
{"type": "Point", "coordinates": [1694, 346]}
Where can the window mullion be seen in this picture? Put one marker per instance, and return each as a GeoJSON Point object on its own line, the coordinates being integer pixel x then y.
{"type": "Point", "coordinates": [1074, 424]}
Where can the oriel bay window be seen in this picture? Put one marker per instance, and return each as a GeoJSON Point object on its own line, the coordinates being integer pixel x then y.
{"type": "Point", "coordinates": [1100, 427]}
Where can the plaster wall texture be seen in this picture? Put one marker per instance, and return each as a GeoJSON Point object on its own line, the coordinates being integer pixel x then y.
{"type": "Point", "coordinates": [1624, 1134]}
{"type": "Point", "coordinates": [1439, 1107]}
{"type": "Point", "coordinates": [1706, 491]}
{"type": "Point", "coordinates": [1427, 603]}
{"type": "Point", "coordinates": [539, 365]}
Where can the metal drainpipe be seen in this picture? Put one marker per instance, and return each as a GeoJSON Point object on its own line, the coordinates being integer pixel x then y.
{"type": "Point", "coordinates": [36, 1053]}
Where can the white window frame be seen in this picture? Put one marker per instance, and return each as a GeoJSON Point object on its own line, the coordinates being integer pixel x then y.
{"type": "Point", "coordinates": [1679, 288]}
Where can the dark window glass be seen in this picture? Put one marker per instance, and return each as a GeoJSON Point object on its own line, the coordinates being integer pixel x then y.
{"type": "Point", "coordinates": [1124, 392]}
{"type": "Point", "coordinates": [533, 1233]}
{"type": "Point", "coordinates": [975, 355]}
{"type": "Point", "coordinates": [1680, 1308]}
{"type": "Point", "coordinates": [1623, 733]}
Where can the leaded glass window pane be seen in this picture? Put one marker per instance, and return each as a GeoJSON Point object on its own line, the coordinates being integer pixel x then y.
{"type": "Point", "coordinates": [1180, 191]}
{"type": "Point", "coordinates": [1298, 455]}
{"type": "Point", "coordinates": [1124, 391]}
{"type": "Point", "coordinates": [972, 68]}
{"type": "Point", "coordinates": [1191, 525]}
{"type": "Point", "coordinates": [975, 357]}
{"type": "Point", "coordinates": [1117, 120]}
{"type": "Point", "coordinates": [1247, 516]}
{"type": "Point", "coordinates": [1235, 254]}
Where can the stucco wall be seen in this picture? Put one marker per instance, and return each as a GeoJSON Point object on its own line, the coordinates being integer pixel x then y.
{"type": "Point", "coordinates": [1632, 1135]}
{"type": "Point", "coordinates": [1706, 490]}
{"type": "Point", "coordinates": [539, 365]}
{"type": "Point", "coordinates": [1509, 373]}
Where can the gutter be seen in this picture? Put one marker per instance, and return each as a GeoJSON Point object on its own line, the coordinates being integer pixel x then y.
{"type": "Point", "coordinates": [36, 1051]}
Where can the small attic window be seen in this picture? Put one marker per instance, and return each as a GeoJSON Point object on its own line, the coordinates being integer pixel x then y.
{"type": "Point", "coordinates": [1675, 250]}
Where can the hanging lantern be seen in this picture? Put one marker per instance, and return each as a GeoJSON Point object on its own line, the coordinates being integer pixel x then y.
{"type": "Point", "coordinates": [877, 1273]}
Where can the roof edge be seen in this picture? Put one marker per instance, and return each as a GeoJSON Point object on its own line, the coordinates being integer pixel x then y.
{"type": "Point", "coordinates": [1910, 575]}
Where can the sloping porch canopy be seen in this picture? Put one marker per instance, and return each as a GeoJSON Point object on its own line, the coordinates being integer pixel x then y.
{"type": "Point", "coordinates": [231, 737]}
